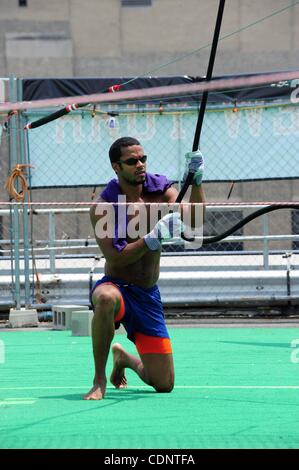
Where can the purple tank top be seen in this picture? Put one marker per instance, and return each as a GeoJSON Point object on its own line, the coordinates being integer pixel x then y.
{"type": "Point", "coordinates": [153, 184]}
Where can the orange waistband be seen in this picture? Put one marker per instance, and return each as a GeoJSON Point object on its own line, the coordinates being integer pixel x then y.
{"type": "Point", "coordinates": [152, 344]}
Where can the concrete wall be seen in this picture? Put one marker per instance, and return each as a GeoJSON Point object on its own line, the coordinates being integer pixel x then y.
{"type": "Point", "coordinates": [102, 38]}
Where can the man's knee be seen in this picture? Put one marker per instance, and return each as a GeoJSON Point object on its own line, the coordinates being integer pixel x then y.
{"type": "Point", "coordinates": [159, 371]}
{"type": "Point", "coordinates": [104, 301]}
{"type": "Point", "coordinates": [164, 388]}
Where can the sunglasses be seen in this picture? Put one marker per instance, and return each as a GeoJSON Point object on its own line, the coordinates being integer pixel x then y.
{"type": "Point", "coordinates": [133, 161]}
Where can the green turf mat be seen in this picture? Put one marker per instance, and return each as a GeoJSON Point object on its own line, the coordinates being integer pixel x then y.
{"type": "Point", "coordinates": [235, 388]}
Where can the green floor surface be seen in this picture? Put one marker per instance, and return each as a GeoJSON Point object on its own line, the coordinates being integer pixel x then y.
{"type": "Point", "coordinates": [235, 388]}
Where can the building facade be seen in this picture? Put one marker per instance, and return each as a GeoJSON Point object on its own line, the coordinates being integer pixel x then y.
{"type": "Point", "coordinates": [76, 38]}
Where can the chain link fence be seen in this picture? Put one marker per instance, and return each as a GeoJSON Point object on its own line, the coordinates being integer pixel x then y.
{"type": "Point", "coordinates": [250, 153]}
{"type": "Point", "coordinates": [239, 144]}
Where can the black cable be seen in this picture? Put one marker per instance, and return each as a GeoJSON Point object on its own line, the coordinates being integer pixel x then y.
{"type": "Point", "coordinates": [254, 215]}
{"type": "Point", "coordinates": [67, 109]}
{"type": "Point", "coordinates": [203, 103]}
{"type": "Point", "coordinates": [52, 116]}
{"type": "Point", "coordinates": [209, 76]}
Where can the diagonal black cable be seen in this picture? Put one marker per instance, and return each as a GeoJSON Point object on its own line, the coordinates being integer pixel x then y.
{"type": "Point", "coordinates": [203, 103]}
{"type": "Point", "coordinates": [67, 109]}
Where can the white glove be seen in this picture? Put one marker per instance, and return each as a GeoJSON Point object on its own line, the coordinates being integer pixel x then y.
{"type": "Point", "coordinates": [194, 164]}
{"type": "Point", "coordinates": [169, 227]}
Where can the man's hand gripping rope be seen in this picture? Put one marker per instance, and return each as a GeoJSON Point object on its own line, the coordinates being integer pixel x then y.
{"type": "Point", "coordinates": [194, 164]}
{"type": "Point", "coordinates": [168, 228]}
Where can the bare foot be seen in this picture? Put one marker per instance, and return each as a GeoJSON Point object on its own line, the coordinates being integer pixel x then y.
{"type": "Point", "coordinates": [118, 378]}
{"type": "Point", "coordinates": [97, 392]}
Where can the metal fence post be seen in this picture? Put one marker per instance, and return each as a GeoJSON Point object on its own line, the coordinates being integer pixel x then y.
{"type": "Point", "coordinates": [51, 228]}
{"type": "Point", "coordinates": [265, 222]}
{"type": "Point", "coordinates": [15, 226]}
{"type": "Point", "coordinates": [16, 252]}
{"type": "Point", "coordinates": [26, 206]}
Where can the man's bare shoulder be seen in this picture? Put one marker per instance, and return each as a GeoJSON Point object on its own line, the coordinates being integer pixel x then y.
{"type": "Point", "coordinates": [93, 208]}
{"type": "Point", "coordinates": [170, 195]}
{"type": "Point", "coordinates": [100, 199]}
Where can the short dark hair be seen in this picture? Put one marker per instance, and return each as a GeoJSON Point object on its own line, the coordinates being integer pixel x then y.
{"type": "Point", "coordinates": [115, 149]}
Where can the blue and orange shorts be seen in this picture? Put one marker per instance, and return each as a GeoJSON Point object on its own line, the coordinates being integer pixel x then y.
{"type": "Point", "coordinates": [141, 313]}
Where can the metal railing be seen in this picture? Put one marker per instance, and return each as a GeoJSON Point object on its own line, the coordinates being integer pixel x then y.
{"type": "Point", "coordinates": [16, 256]}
